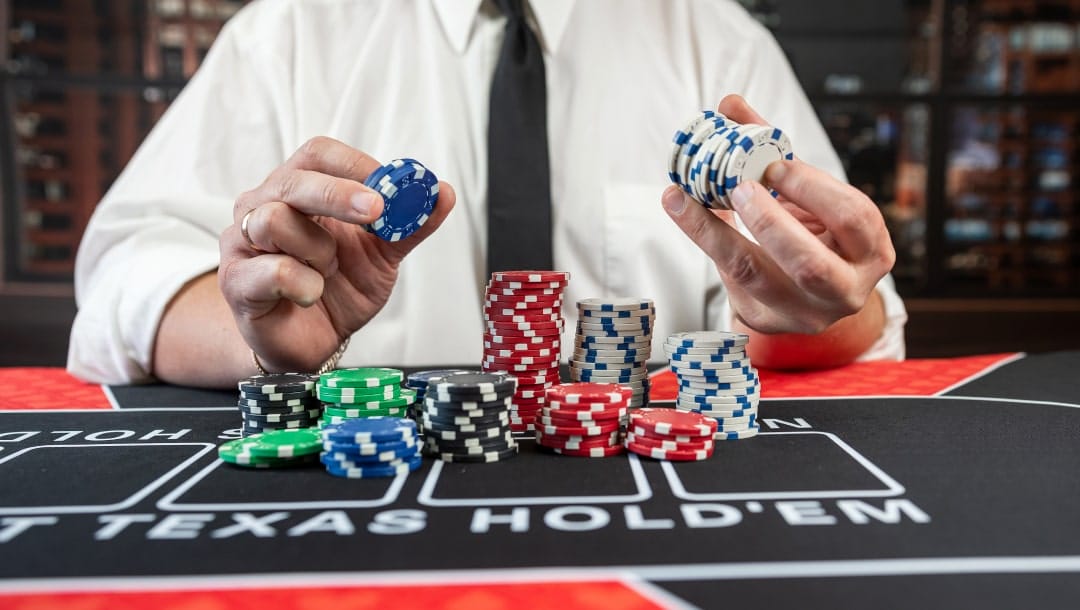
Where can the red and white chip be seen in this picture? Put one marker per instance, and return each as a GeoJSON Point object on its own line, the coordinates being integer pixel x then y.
{"type": "Point", "coordinates": [675, 455]}
{"type": "Point", "coordinates": [594, 452]}
{"type": "Point", "coordinates": [531, 276]}
{"type": "Point", "coordinates": [587, 392]}
{"type": "Point", "coordinates": [667, 422]}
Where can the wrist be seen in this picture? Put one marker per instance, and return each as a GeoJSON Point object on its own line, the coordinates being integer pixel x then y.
{"type": "Point", "coordinates": [327, 365]}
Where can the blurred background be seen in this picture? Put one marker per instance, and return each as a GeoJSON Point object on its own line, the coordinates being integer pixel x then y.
{"type": "Point", "coordinates": [959, 117]}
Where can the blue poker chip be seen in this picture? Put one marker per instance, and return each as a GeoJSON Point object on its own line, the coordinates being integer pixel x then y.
{"type": "Point", "coordinates": [354, 460]}
{"type": "Point", "coordinates": [589, 326]}
{"type": "Point", "coordinates": [630, 356]}
{"type": "Point", "coordinates": [376, 471]}
{"type": "Point", "coordinates": [370, 430]}
{"type": "Point", "coordinates": [748, 399]}
{"type": "Point", "coordinates": [710, 412]}
{"type": "Point", "coordinates": [623, 334]}
{"type": "Point", "coordinates": [587, 376]}
{"type": "Point", "coordinates": [621, 314]}
{"type": "Point", "coordinates": [727, 374]}
{"type": "Point", "coordinates": [633, 340]}
{"type": "Point", "coordinates": [721, 389]}
{"type": "Point", "coordinates": [704, 369]}
{"type": "Point", "coordinates": [681, 352]}
{"type": "Point", "coordinates": [750, 420]}
{"type": "Point", "coordinates": [409, 192]}
{"type": "Point", "coordinates": [680, 140]}
{"type": "Point", "coordinates": [707, 377]}
{"type": "Point", "coordinates": [374, 177]}
{"type": "Point", "coordinates": [370, 448]}
{"type": "Point", "coordinates": [419, 380]}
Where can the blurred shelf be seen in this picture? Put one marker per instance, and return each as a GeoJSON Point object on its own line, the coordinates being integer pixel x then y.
{"type": "Point", "coordinates": [81, 84]}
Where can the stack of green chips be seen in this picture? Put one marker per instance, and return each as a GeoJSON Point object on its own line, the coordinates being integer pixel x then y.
{"type": "Point", "coordinates": [363, 392]}
{"type": "Point", "coordinates": [274, 449]}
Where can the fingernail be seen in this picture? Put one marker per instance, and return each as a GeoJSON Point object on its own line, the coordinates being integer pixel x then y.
{"type": "Point", "coordinates": [673, 200]}
{"type": "Point", "coordinates": [742, 195]}
{"type": "Point", "coordinates": [362, 202]}
{"type": "Point", "coordinates": [775, 172]}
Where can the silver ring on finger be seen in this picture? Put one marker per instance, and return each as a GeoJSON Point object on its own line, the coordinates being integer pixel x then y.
{"type": "Point", "coordinates": [244, 231]}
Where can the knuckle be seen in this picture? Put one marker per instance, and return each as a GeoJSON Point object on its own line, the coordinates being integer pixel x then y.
{"type": "Point", "coordinates": [244, 202]}
{"type": "Point", "coordinates": [281, 272]}
{"type": "Point", "coordinates": [793, 180]}
{"type": "Point", "coordinates": [273, 216]}
{"type": "Point", "coordinates": [327, 247]}
{"type": "Point", "coordinates": [229, 279]}
{"type": "Point", "coordinates": [311, 151]}
{"type": "Point", "coordinates": [285, 185]}
{"type": "Point", "coordinates": [354, 163]}
{"type": "Point", "coordinates": [742, 269]}
{"type": "Point", "coordinates": [888, 256]}
{"type": "Point", "coordinates": [816, 326]}
{"type": "Point", "coordinates": [330, 191]}
{"type": "Point", "coordinates": [853, 224]}
{"type": "Point", "coordinates": [883, 256]}
{"type": "Point", "coordinates": [286, 274]}
{"type": "Point", "coordinates": [852, 304]}
{"type": "Point", "coordinates": [698, 230]}
{"type": "Point", "coordinates": [767, 221]}
{"type": "Point", "coordinates": [813, 274]}
{"type": "Point", "coordinates": [225, 241]}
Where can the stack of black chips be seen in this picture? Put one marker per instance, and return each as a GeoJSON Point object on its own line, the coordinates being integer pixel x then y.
{"type": "Point", "coordinates": [466, 417]}
{"type": "Point", "coordinates": [278, 402]}
{"type": "Point", "coordinates": [418, 382]}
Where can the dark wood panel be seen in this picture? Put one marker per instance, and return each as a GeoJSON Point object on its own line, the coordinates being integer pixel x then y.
{"type": "Point", "coordinates": [35, 330]}
{"type": "Point", "coordinates": [942, 328]}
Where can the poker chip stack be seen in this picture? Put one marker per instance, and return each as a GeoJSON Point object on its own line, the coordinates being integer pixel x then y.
{"type": "Point", "coordinates": [275, 402]}
{"type": "Point", "coordinates": [418, 382]}
{"type": "Point", "coordinates": [717, 380]}
{"type": "Point", "coordinates": [409, 192]}
{"type": "Point", "coordinates": [273, 449]}
{"type": "Point", "coordinates": [363, 392]}
{"type": "Point", "coordinates": [583, 419]}
{"type": "Point", "coordinates": [613, 344]}
{"type": "Point", "coordinates": [466, 417]}
{"type": "Point", "coordinates": [669, 434]}
{"type": "Point", "coordinates": [522, 326]}
{"type": "Point", "coordinates": [371, 447]}
{"type": "Point", "coordinates": [712, 154]}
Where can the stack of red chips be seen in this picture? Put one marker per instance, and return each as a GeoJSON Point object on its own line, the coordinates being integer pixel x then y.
{"type": "Point", "coordinates": [669, 434]}
{"type": "Point", "coordinates": [523, 324]}
{"type": "Point", "coordinates": [584, 419]}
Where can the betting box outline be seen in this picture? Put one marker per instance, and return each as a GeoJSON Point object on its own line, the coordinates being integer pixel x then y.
{"type": "Point", "coordinates": [893, 488]}
{"type": "Point", "coordinates": [130, 501]}
{"type": "Point", "coordinates": [169, 501]}
{"type": "Point", "coordinates": [426, 495]}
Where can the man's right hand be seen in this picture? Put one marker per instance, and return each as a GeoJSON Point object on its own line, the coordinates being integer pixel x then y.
{"type": "Point", "coordinates": [311, 274]}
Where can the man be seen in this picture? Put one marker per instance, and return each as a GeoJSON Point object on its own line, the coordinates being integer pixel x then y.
{"type": "Point", "coordinates": [299, 101]}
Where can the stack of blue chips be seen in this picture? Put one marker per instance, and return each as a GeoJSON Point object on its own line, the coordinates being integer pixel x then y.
{"type": "Point", "coordinates": [717, 380]}
{"type": "Point", "coordinates": [371, 447]}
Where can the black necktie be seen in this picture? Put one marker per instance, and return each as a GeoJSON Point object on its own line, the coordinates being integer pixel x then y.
{"type": "Point", "coordinates": [519, 183]}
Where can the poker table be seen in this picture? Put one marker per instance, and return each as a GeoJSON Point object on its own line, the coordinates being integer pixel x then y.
{"type": "Point", "coordinates": [925, 483]}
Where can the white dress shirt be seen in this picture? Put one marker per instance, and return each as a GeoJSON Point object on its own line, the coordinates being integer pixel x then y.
{"type": "Point", "coordinates": [410, 78]}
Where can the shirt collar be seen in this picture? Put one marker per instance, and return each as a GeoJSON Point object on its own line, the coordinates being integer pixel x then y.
{"type": "Point", "coordinates": [458, 17]}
